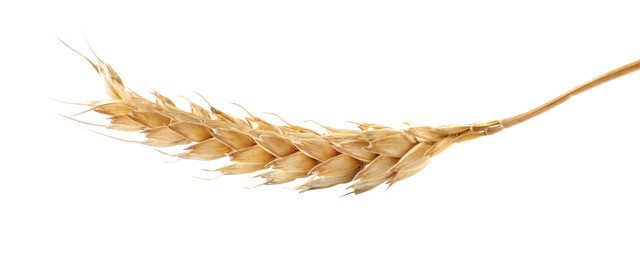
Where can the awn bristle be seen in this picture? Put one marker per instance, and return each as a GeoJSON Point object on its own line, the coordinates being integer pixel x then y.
{"type": "Point", "coordinates": [363, 158]}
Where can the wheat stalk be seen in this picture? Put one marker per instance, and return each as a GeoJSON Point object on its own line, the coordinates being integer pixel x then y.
{"type": "Point", "coordinates": [365, 158]}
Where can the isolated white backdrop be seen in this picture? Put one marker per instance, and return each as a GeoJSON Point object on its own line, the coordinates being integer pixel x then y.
{"type": "Point", "coordinates": [562, 186]}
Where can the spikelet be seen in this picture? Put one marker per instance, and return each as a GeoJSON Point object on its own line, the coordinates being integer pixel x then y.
{"type": "Point", "coordinates": [363, 158]}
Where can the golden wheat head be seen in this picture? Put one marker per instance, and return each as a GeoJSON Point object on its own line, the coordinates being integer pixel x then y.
{"type": "Point", "coordinates": [364, 158]}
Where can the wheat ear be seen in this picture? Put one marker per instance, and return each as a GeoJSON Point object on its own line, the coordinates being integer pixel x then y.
{"type": "Point", "coordinates": [365, 158]}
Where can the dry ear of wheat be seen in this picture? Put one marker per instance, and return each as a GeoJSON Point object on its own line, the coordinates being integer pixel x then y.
{"type": "Point", "coordinates": [364, 158]}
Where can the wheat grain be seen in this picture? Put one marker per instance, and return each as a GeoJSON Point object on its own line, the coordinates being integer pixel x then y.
{"type": "Point", "coordinates": [365, 158]}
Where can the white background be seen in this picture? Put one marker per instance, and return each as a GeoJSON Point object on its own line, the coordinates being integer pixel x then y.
{"type": "Point", "coordinates": [561, 186]}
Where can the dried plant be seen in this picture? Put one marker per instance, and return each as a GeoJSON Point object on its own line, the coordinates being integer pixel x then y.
{"type": "Point", "coordinates": [364, 158]}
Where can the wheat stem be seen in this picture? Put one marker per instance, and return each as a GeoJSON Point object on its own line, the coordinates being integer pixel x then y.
{"type": "Point", "coordinates": [611, 75]}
